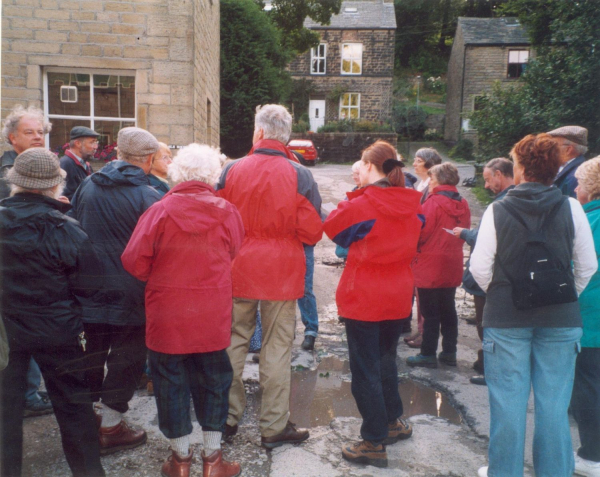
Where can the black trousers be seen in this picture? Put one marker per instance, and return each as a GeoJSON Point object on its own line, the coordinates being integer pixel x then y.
{"type": "Point", "coordinates": [372, 348]}
{"type": "Point", "coordinates": [123, 350]}
{"type": "Point", "coordinates": [62, 369]}
{"type": "Point", "coordinates": [439, 312]}
{"type": "Point", "coordinates": [585, 402]}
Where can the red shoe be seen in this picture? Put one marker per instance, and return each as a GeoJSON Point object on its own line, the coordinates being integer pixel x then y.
{"type": "Point", "coordinates": [176, 466]}
{"type": "Point", "coordinates": [215, 466]}
{"type": "Point", "coordinates": [120, 437]}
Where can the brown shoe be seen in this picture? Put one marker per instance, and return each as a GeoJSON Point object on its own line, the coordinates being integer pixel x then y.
{"type": "Point", "coordinates": [364, 452]}
{"type": "Point", "coordinates": [120, 437]}
{"type": "Point", "coordinates": [215, 466]}
{"type": "Point", "coordinates": [289, 435]}
{"type": "Point", "coordinates": [176, 466]}
{"type": "Point", "coordinates": [397, 431]}
{"type": "Point", "coordinates": [150, 388]}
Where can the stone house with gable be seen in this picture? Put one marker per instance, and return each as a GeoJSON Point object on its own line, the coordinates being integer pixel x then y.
{"type": "Point", "coordinates": [112, 64]}
{"type": "Point", "coordinates": [351, 71]}
{"type": "Point", "coordinates": [485, 50]}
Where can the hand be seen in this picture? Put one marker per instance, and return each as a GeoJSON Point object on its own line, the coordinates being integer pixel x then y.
{"type": "Point", "coordinates": [456, 231]}
{"type": "Point", "coordinates": [64, 200]}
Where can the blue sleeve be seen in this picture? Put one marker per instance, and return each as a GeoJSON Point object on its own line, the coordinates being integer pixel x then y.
{"type": "Point", "coordinates": [354, 233]}
{"type": "Point", "coordinates": [470, 236]}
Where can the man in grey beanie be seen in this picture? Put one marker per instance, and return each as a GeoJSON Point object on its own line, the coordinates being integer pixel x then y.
{"type": "Point", "coordinates": [48, 266]}
{"type": "Point", "coordinates": [108, 205]}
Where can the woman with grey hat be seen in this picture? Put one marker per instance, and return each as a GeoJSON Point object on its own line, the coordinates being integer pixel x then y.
{"type": "Point", "coordinates": [47, 265]}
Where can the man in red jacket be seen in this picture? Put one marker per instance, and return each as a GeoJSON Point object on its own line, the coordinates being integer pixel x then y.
{"type": "Point", "coordinates": [277, 199]}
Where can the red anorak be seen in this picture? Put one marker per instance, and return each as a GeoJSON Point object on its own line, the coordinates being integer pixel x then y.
{"type": "Point", "coordinates": [439, 263]}
{"type": "Point", "coordinates": [382, 227]}
{"type": "Point", "coordinates": [183, 247]}
{"type": "Point", "coordinates": [279, 202]}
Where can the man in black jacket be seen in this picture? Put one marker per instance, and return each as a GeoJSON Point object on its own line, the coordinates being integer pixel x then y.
{"type": "Point", "coordinates": [108, 205]}
{"type": "Point", "coordinates": [82, 147]}
{"type": "Point", "coordinates": [48, 266]}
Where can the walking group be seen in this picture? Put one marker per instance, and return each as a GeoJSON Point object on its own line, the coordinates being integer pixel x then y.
{"type": "Point", "coordinates": [107, 273]}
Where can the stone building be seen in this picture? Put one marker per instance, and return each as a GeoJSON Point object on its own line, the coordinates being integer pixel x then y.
{"type": "Point", "coordinates": [111, 64]}
{"type": "Point", "coordinates": [485, 50]}
{"type": "Point", "coordinates": [350, 73]}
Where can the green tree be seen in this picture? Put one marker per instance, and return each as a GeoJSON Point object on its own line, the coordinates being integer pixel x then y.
{"type": "Point", "coordinates": [253, 72]}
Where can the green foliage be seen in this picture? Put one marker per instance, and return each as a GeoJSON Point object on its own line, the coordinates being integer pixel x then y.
{"type": "Point", "coordinates": [252, 71]}
{"type": "Point", "coordinates": [300, 127]}
{"type": "Point", "coordinates": [300, 97]}
{"type": "Point", "coordinates": [289, 16]}
{"type": "Point", "coordinates": [408, 121]}
{"type": "Point", "coordinates": [336, 93]}
{"type": "Point", "coordinates": [347, 125]}
{"type": "Point", "coordinates": [483, 195]}
{"type": "Point", "coordinates": [463, 150]}
{"type": "Point", "coordinates": [560, 85]}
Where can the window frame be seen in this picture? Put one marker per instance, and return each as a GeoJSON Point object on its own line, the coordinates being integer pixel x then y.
{"type": "Point", "coordinates": [349, 107]}
{"type": "Point", "coordinates": [91, 118]}
{"type": "Point", "coordinates": [351, 59]}
{"type": "Point", "coordinates": [318, 57]}
{"type": "Point", "coordinates": [508, 62]}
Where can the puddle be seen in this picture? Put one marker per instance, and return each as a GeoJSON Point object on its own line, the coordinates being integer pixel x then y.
{"type": "Point", "coordinates": [317, 397]}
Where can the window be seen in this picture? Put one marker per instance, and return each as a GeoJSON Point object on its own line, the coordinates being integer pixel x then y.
{"type": "Point", "coordinates": [318, 55]}
{"type": "Point", "coordinates": [351, 58]}
{"type": "Point", "coordinates": [350, 106]}
{"type": "Point", "coordinates": [517, 62]}
{"type": "Point", "coordinates": [103, 101]}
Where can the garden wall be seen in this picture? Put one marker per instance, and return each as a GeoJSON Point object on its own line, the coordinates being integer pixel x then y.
{"type": "Point", "coordinates": [344, 147]}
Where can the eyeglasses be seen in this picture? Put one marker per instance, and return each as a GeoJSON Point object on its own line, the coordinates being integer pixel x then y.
{"type": "Point", "coordinates": [167, 158]}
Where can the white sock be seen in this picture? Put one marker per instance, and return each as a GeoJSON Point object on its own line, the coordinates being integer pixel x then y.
{"type": "Point", "coordinates": [181, 445]}
{"type": "Point", "coordinates": [110, 417]}
{"type": "Point", "coordinates": [212, 441]}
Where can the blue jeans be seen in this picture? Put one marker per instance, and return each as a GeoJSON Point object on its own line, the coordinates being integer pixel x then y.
{"type": "Point", "coordinates": [308, 303]}
{"type": "Point", "coordinates": [34, 380]}
{"type": "Point", "coordinates": [515, 360]}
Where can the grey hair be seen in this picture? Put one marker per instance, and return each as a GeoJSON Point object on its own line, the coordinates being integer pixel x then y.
{"type": "Point", "coordinates": [501, 164]}
{"type": "Point", "coordinates": [11, 123]}
{"type": "Point", "coordinates": [445, 174]}
{"type": "Point", "coordinates": [356, 166]}
{"type": "Point", "coordinates": [275, 121]}
{"type": "Point", "coordinates": [196, 162]}
{"type": "Point", "coordinates": [578, 147]}
{"type": "Point", "coordinates": [132, 158]}
{"type": "Point", "coordinates": [430, 156]}
{"type": "Point", "coordinates": [53, 192]}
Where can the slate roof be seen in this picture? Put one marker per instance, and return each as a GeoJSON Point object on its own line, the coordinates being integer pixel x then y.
{"type": "Point", "coordinates": [493, 31]}
{"type": "Point", "coordinates": [374, 14]}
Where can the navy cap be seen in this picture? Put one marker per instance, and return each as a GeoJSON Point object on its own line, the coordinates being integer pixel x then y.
{"type": "Point", "coordinates": [82, 131]}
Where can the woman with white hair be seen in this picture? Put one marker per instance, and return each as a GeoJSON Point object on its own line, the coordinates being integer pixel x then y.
{"type": "Point", "coordinates": [183, 247]}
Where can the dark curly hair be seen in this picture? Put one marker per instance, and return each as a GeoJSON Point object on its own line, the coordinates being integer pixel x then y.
{"type": "Point", "coordinates": [539, 156]}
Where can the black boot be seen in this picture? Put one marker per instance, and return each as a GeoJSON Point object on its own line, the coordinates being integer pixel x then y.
{"type": "Point", "coordinates": [309, 343]}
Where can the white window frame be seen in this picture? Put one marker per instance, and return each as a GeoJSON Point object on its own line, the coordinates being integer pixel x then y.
{"type": "Point", "coordinates": [318, 57]}
{"type": "Point", "coordinates": [351, 59]}
{"type": "Point", "coordinates": [519, 52]}
{"type": "Point", "coordinates": [91, 118]}
{"type": "Point", "coordinates": [350, 107]}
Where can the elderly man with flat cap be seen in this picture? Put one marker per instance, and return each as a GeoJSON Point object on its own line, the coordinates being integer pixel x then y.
{"type": "Point", "coordinates": [573, 145]}
{"type": "Point", "coordinates": [108, 205]}
{"type": "Point", "coordinates": [48, 266]}
{"type": "Point", "coordinates": [83, 145]}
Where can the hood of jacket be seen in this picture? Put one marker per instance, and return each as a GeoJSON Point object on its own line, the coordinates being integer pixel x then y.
{"type": "Point", "coordinates": [119, 173]}
{"type": "Point", "coordinates": [533, 198]}
{"type": "Point", "coordinates": [389, 200]}
{"type": "Point", "coordinates": [449, 200]}
{"type": "Point", "coordinates": [27, 218]}
{"type": "Point", "coordinates": [194, 207]}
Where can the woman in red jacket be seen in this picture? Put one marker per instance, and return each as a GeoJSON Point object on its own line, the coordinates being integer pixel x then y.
{"type": "Point", "coordinates": [380, 223]}
{"type": "Point", "coordinates": [438, 267]}
{"type": "Point", "coordinates": [183, 247]}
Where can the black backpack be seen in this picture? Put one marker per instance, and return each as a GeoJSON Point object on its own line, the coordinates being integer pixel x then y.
{"type": "Point", "coordinates": [540, 280]}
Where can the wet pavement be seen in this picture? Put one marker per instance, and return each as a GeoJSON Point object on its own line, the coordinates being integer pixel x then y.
{"type": "Point", "coordinates": [450, 416]}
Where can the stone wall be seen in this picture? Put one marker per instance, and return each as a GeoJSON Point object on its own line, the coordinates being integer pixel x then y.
{"type": "Point", "coordinates": [344, 147]}
{"type": "Point", "coordinates": [375, 82]}
{"type": "Point", "coordinates": [171, 47]}
{"type": "Point", "coordinates": [454, 84]}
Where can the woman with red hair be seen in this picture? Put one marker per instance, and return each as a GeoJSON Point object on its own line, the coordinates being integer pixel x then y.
{"type": "Point", "coordinates": [380, 223]}
{"type": "Point", "coordinates": [531, 340]}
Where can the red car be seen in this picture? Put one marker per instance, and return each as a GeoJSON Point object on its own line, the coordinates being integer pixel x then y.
{"type": "Point", "coordinates": [306, 148]}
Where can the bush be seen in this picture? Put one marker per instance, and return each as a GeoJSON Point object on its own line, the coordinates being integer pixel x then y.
{"type": "Point", "coordinates": [433, 135]}
{"type": "Point", "coordinates": [347, 125]}
{"type": "Point", "coordinates": [300, 127]}
{"type": "Point", "coordinates": [462, 150]}
{"type": "Point", "coordinates": [408, 121]}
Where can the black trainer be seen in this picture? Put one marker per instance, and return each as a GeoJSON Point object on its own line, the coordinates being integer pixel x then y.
{"type": "Point", "coordinates": [309, 343]}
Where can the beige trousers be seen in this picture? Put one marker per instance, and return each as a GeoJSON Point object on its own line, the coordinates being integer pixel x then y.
{"type": "Point", "coordinates": [278, 324]}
